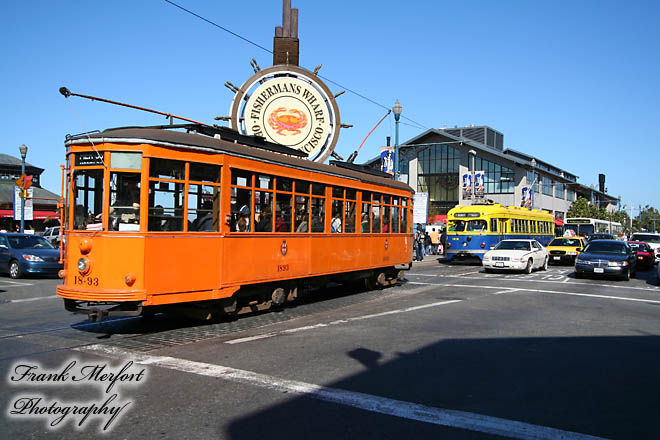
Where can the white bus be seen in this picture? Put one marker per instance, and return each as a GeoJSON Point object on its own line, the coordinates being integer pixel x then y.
{"type": "Point", "coordinates": [588, 226]}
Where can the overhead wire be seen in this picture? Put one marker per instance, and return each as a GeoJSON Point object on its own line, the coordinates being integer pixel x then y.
{"type": "Point", "coordinates": [270, 51]}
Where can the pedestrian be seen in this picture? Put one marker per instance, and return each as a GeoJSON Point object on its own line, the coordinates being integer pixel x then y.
{"type": "Point", "coordinates": [427, 243]}
{"type": "Point", "coordinates": [443, 241]}
{"type": "Point", "coordinates": [419, 244]}
{"type": "Point", "coordinates": [435, 241]}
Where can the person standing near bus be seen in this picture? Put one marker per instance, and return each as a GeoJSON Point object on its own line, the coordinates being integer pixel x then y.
{"type": "Point", "coordinates": [443, 240]}
{"type": "Point", "coordinates": [435, 241]}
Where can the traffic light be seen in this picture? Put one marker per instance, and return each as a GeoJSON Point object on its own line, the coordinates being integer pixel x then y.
{"type": "Point", "coordinates": [24, 182]}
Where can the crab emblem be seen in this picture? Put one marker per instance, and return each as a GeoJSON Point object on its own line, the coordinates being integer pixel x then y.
{"type": "Point", "coordinates": [287, 121]}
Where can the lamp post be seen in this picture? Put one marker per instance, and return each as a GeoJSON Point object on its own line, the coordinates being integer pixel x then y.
{"type": "Point", "coordinates": [396, 109]}
{"type": "Point", "coordinates": [533, 180]}
{"type": "Point", "coordinates": [474, 155]}
{"type": "Point", "coordinates": [23, 149]}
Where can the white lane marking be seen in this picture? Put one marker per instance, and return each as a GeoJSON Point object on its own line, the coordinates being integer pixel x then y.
{"type": "Point", "coordinates": [511, 290]}
{"type": "Point", "coordinates": [366, 402]}
{"type": "Point", "coordinates": [532, 278]}
{"type": "Point", "coordinates": [7, 283]}
{"type": "Point", "coordinates": [32, 299]}
{"type": "Point", "coordinates": [622, 298]}
{"type": "Point", "coordinates": [337, 322]}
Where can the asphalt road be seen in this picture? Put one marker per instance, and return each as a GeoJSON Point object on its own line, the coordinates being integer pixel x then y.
{"type": "Point", "coordinates": [450, 352]}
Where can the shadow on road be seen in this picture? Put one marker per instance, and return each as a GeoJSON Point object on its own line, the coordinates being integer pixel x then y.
{"type": "Point", "coordinates": [603, 386]}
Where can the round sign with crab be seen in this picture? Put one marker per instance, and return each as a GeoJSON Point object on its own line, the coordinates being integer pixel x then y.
{"type": "Point", "coordinates": [290, 106]}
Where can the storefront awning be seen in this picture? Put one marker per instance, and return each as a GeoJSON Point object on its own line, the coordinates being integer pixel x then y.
{"type": "Point", "coordinates": [37, 215]}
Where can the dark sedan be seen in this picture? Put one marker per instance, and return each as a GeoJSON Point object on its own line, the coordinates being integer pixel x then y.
{"type": "Point", "coordinates": [607, 257]}
{"type": "Point", "coordinates": [28, 254]}
{"type": "Point", "coordinates": [645, 255]}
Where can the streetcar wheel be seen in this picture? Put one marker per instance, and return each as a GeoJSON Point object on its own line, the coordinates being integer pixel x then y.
{"type": "Point", "coordinates": [15, 269]}
{"type": "Point", "coordinates": [370, 282]}
{"type": "Point", "coordinates": [528, 268]}
{"type": "Point", "coordinates": [545, 264]}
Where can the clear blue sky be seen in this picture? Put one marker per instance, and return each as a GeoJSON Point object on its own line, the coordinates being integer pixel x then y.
{"type": "Point", "coordinates": [574, 83]}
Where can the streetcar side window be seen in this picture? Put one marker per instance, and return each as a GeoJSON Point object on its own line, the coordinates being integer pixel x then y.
{"type": "Point", "coordinates": [88, 199]}
{"type": "Point", "coordinates": [395, 215]}
{"type": "Point", "coordinates": [387, 213]}
{"type": "Point", "coordinates": [203, 198]}
{"type": "Point", "coordinates": [283, 204]}
{"type": "Point", "coordinates": [166, 195]}
{"type": "Point", "coordinates": [166, 205]}
{"type": "Point", "coordinates": [350, 210]}
{"type": "Point", "coordinates": [241, 200]}
{"type": "Point", "coordinates": [375, 212]}
{"type": "Point", "coordinates": [301, 209]}
{"type": "Point", "coordinates": [365, 216]}
{"type": "Point", "coordinates": [318, 208]}
{"type": "Point", "coordinates": [404, 216]}
{"type": "Point", "coordinates": [263, 203]}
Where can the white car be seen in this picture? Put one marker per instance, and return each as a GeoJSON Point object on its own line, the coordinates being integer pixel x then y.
{"type": "Point", "coordinates": [522, 254]}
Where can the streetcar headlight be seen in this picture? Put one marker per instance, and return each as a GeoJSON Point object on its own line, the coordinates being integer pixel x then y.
{"type": "Point", "coordinates": [464, 244]}
{"type": "Point", "coordinates": [32, 258]}
{"type": "Point", "coordinates": [84, 265]}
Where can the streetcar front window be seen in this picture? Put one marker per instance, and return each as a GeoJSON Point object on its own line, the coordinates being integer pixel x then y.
{"type": "Point", "coordinates": [456, 225]}
{"type": "Point", "coordinates": [124, 202]}
{"type": "Point", "coordinates": [88, 199]}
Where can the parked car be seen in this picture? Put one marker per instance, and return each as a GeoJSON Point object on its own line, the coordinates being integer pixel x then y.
{"type": "Point", "coordinates": [600, 236]}
{"type": "Point", "coordinates": [653, 240]}
{"type": "Point", "coordinates": [52, 234]}
{"type": "Point", "coordinates": [645, 255]}
{"type": "Point", "coordinates": [606, 257]}
{"type": "Point", "coordinates": [28, 254]}
{"type": "Point", "coordinates": [565, 249]}
{"type": "Point", "coordinates": [516, 255]}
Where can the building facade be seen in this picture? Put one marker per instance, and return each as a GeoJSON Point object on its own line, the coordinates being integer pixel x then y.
{"type": "Point", "coordinates": [44, 202]}
{"type": "Point", "coordinates": [435, 161]}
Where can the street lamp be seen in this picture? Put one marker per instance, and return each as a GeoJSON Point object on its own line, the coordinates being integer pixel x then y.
{"type": "Point", "coordinates": [396, 109]}
{"type": "Point", "coordinates": [23, 149]}
{"type": "Point", "coordinates": [533, 162]}
{"type": "Point", "coordinates": [474, 155]}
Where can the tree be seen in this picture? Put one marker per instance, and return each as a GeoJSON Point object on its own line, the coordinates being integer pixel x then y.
{"type": "Point", "coordinates": [648, 220]}
{"type": "Point", "coordinates": [582, 208]}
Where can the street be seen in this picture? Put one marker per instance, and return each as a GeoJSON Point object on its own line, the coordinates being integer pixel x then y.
{"type": "Point", "coordinates": [450, 352]}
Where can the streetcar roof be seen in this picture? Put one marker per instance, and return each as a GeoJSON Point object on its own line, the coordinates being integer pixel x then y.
{"type": "Point", "coordinates": [496, 209]}
{"type": "Point", "coordinates": [176, 139]}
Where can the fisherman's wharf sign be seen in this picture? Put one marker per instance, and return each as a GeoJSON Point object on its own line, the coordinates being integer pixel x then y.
{"type": "Point", "coordinates": [290, 106]}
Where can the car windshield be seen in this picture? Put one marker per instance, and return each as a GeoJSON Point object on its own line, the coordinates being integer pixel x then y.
{"type": "Point", "coordinates": [648, 238]}
{"type": "Point", "coordinates": [29, 242]}
{"type": "Point", "coordinates": [601, 237]}
{"type": "Point", "coordinates": [606, 247]}
{"type": "Point", "coordinates": [566, 242]}
{"type": "Point", "coordinates": [638, 246]}
{"type": "Point", "coordinates": [513, 245]}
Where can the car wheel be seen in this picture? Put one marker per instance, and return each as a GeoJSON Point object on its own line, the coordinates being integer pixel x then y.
{"type": "Point", "coordinates": [528, 268]}
{"type": "Point", "coordinates": [545, 264]}
{"type": "Point", "coordinates": [578, 274]}
{"type": "Point", "coordinates": [15, 269]}
{"type": "Point", "coordinates": [626, 275]}
{"type": "Point", "coordinates": [488, 270]}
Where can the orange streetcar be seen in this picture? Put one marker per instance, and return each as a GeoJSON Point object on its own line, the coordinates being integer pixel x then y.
{"type": "Point", "coordinates": [222, 223]}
